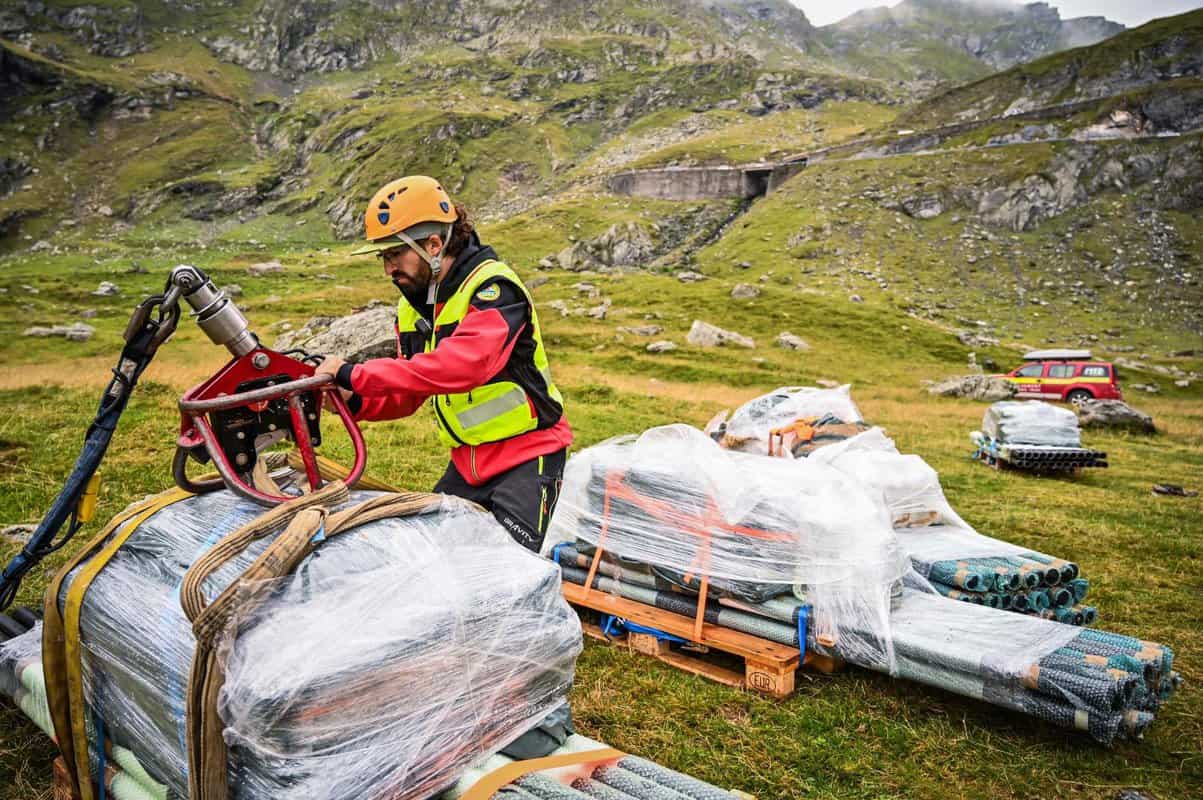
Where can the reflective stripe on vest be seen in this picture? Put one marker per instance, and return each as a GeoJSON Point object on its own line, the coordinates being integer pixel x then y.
{"type": "Point", "coordinates": [493, 411]}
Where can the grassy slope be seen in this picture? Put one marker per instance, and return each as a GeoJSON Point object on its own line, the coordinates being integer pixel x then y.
{"type": "Point", "coordinates": [854, 735]}
{"type": "Point", "coordinates": [829, 222]}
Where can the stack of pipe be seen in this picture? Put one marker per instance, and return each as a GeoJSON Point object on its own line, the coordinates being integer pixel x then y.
{"type": "Point", "coordinates": [1106, 684]}
{"type": "Point", "coordinates": [1028, 582]}
{"type": "Point", "coordinates": [1039, 458]}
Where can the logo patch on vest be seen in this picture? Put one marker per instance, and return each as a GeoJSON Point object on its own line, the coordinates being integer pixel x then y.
{"type": "Point", "coordinates": [489, 293]}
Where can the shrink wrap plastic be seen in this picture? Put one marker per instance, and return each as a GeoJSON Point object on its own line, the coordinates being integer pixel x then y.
{"type": "Point", "coordinates": [17, 655]}
{"type": "Point", "coordinates": [1031, 422]}
{"type": "Point", "coordinates": [911, 488]}
{"type": "Point", "coordinates": [673, 498]}
{"type": "Point", "coordinates": [395, 656]}
{"type": "Point", "coordinates": [748, 427]}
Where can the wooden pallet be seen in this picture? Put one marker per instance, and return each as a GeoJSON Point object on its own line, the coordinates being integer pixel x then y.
{"type": "Point", "coordinates": [769, 667]}
{"type": "Point", "coordinates": [62, 788]}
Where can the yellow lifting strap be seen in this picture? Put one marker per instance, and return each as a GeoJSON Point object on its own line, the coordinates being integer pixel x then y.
{"type": "Point", "coordinates": [487, 786]}
{"type": "Point", "coordinates": [62, 652]}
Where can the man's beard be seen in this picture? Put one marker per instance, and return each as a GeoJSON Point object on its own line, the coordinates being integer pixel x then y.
{"type": "Point", "coordinates": [416, 285]}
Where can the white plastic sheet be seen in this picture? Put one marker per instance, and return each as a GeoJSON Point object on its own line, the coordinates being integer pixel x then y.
{"type": "Point", "coordinates": [673, 498]}
{"type": "Point", "coordinates": [749, 426]}
{"type": "Point", "coordinates": [1032, 422]}
{"type": "Point", "coordinates": [911, 488]}
{"type": "Point", "coordinates": [394, 657]}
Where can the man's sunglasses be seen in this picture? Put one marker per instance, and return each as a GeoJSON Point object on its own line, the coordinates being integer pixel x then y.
{"type": "Point", "coordinates": [392, 252]}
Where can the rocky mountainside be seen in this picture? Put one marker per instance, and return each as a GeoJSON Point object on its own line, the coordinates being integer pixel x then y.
{"type": "Point", "coordinates": [957, 39]}
{"type": "Point", "coordinates": [1159, 66]}
{"type": "Point", "coordinates": [260, 124]}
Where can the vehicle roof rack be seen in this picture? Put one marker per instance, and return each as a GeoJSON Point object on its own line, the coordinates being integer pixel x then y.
{"type": "Point", "coordinates": [1055, 355]}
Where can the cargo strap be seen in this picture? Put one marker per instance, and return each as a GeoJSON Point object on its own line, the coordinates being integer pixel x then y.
{"type": "Point", "coordinates": [61, 648]}
{"type": "Point", "coordinates": [487, 786]}
{"type": "Point", "coordinates": [310, 521]}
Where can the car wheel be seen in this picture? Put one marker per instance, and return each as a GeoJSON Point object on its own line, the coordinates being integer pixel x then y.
{"type": "Point", "coordinates": [1079, 396]}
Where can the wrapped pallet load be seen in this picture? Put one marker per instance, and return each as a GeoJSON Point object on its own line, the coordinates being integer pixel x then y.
{"type": "Point", "coordinates": [1031, 422]}
{"type": "Point", "coordinates": [782, 541]}
{"type": "Point", "coordinates": [789, 422]}
{"type": "Point", "coordinates": [391, 658]}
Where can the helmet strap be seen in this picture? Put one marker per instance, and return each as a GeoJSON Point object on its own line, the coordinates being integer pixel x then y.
{"type": "Point", "coordinates": [435, 261]}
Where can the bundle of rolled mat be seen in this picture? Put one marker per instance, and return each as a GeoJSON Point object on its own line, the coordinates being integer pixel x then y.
{"type": "Point", "coordinates": [623, 777]}
{"type": "Point", "coordinates": [628, 778]}
{"type": "Point", "coordinates": [396, 654]}
{"type": "Point", "coordinates": [964, 565]}
{"type": "Point", "coordinates": [1105, 684]}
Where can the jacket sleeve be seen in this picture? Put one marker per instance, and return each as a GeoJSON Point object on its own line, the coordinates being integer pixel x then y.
{"type": "Point", "coordinates": [472, 355]}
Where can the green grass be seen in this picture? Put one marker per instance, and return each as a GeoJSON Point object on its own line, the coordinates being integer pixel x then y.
{"type": "Point", "coordinates": [852, 735]}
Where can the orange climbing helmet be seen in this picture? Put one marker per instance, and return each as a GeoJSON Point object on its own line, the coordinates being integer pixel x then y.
{"type": "Point", "coordinates": [405, 210]}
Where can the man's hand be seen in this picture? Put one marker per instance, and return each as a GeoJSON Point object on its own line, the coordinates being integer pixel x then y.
{"type": "Point", "coordinates": [329, 366]}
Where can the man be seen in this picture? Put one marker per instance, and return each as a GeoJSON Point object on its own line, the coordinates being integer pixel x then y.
{"type": "Point", "coordinates": [470, 346]}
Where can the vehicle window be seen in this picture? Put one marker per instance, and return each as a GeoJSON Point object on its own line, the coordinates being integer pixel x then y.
{"type": "Point", "coordinates": [1094, 372]}
{"type": "Point", "coordinates": [1061, 371]}
{"type": "Point", "coordinates": [1031, 371]}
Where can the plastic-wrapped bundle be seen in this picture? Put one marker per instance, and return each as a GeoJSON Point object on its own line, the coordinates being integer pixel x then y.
{"type": "Point", "coordinates": [621, 777]}
{"type": "Point", "coordinates": [1031, 422]}
{"type": "Point", "coordinates": [21, 676]}
{"type": "Point", "coordinates": [1106, 684]}
{"type": "Point", "coordinates": [397, 653]}
{"type": "Point", "coordinates": [748, 429]}
{"type": "Point", "coordinates": [674, 499]}
{"type": "Point", "coordinates": [911, 487]}
{"type": "Point", "coordinates": [964, 565]}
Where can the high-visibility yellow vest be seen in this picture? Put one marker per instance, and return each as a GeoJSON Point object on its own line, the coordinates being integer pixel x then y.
{"type": "Point", "coordinates": [500, 408]}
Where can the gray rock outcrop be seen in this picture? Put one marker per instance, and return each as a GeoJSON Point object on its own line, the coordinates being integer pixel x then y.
{"type": "Point", "coordinates": [975, 387]}
{"type": "Point", "coordinates": [789, 341]}
{"type": "Point", "coordinates": [75, 332]}
{"type": "Point", "coordinates": [1114, 415]}
{"type": "Point", "coordinates": [358, 337]}
{"type": "Point", "coordinates": [703, 334]}
{"type": "Point", "coordinates": [628, 245]}
{"type": "Point", "coordinates": [745, 291]}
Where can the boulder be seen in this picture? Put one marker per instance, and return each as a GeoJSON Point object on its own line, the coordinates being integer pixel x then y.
{"type": "Point", "coordinates": [265, 268]}
{"type": "Point", "coordinates": [975, 339]}
{"type": "Point", "coordinates": [233, 290]}
{"type": "Point", "coordinates": [661, 346]}
{"type": "Point", "coordinates": [990, 388]}
{"type": "Point", "coordinates": [641, 330]}
{"type": "Point", "coordinates": [1114, 415]}
{"type": "Point", "coordinates": [107, 289]}
{"type": "Point", "coordinates": [745, 291]}
{"type": "Point", "coordinates": [368, 334]}
{"type": "Point", "coordinates": [789, 341]}
{"type": "Point", "coordinates": [923, 207]}
{"type": "Point", "coordinates": [622, 245]}
{"type": "Point", "coordinates": [703, 334]}
{"type": "Point", "coordinates": [75, 332]}
{"type": "Point", "coordinates": [689, 276]}
{"type": "Point", "coordinates": [18, 533]}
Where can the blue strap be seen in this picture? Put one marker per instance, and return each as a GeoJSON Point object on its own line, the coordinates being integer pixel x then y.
{"type": "Point", "coordinates": [803, 613]}
{"type": "Point", "coordinates": [555, 551]}
{"type": "Point", "coordinates": [100, 749]}
{"type": "Point", "coordinates": [616, 626]}
{"type": "Point", "coordinates": [320, 536]}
